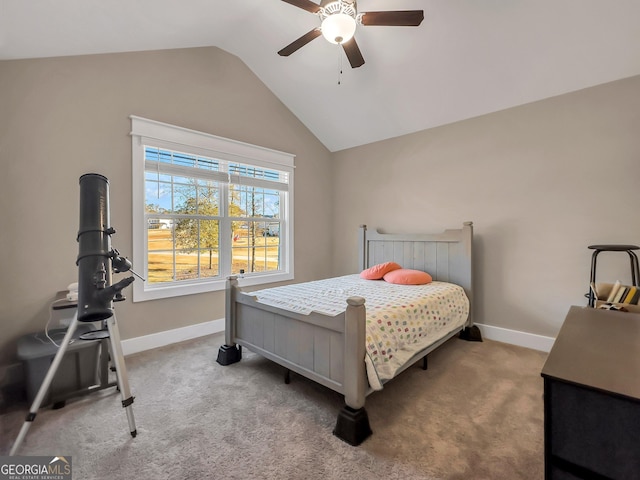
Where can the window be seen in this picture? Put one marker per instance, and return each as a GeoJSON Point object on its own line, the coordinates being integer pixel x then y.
{"type": "Point", "coordinates": [204, 208]}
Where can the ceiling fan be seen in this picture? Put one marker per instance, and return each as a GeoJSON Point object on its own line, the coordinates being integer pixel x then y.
{"type": "Point", "coordinates": [339, 20]}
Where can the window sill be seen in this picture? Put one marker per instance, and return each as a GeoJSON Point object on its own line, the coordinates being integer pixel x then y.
{"type": "Point", "coordinates": [142, 293]}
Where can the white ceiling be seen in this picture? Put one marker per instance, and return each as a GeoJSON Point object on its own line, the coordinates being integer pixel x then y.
{"type": "Point", "coordinates": [468, 58]}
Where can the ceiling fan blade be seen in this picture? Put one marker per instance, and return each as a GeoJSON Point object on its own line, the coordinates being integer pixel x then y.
{"type": "Point", "coordinates": [353, 53]}
{"type": "Point", "coordinates": [307, 5]}
{"type": "Point", "coordinates": [399, 18]}
{"type": "Point", "coordinates": [299, 43]}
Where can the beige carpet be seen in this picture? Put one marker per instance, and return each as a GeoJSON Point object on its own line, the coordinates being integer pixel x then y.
{"type": "Point", "coordinates": [476, 413]}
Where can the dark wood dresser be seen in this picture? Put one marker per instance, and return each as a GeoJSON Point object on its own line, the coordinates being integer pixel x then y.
{"type": "Point", "coordinates": [592, 397]}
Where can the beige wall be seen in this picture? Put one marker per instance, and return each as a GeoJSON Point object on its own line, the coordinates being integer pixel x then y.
{"type": "Point", "coordinates": [541, 182]}
{"type": "Point", "coordinates": [63, 117]}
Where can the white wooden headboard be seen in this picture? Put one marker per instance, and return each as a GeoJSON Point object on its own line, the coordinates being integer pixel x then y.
{"type": "Point", "coordinates": [446, 256]}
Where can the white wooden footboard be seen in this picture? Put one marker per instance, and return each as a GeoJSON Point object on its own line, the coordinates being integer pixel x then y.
{"type": "Point", "coordinates": [328, 350]}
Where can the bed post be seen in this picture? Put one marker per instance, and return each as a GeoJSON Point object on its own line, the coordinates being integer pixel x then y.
{"type": "Point", "coordinates": [230, 352]}
{"type": "Point", "coordinates": [471, 332]}
{"type": "Point", "coordinates": [362, 248]}
{"type": "Point", "coordinates": [352, 424]}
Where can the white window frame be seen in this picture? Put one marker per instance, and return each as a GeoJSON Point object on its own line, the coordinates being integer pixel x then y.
{"type": "Point", "coordinates": [145, 132]}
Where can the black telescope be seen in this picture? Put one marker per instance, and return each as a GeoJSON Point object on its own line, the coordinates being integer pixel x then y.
{"type": "Point", "coordinates": [96, 258]}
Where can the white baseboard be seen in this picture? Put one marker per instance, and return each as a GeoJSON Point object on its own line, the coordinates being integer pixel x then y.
{"type": "Point", "coordinates": [160, 339]}
{"type": "Point", "coordinates": [515, 337]}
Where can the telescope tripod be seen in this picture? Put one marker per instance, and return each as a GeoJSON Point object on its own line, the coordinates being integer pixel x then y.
{"type": "Point", "coordinates": [117, 357]}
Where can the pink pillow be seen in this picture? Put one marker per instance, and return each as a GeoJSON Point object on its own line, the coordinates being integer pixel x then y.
{"type": "Point", "coordinates": [405, 276]}
{"type": "Point", "coordinates": [378, 271]}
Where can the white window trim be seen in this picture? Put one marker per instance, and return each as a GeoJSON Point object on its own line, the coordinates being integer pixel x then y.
{"type": "Point", "coordinates": [145, 131]}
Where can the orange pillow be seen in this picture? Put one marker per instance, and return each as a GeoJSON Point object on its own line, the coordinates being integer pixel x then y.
{"type": "Point", "coordinates": [378, 271]}
{"type": "Point", "coordinates": [405, 276]}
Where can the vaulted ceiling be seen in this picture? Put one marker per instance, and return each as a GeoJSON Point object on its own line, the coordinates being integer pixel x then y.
{"type": "Point", "coordinates": [468, 57]}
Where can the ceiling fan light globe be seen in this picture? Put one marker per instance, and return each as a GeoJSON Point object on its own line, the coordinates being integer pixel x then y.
{"type": "Point", "coordinates": [338, 28]}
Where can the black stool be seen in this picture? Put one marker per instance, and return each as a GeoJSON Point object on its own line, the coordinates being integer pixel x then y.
{"type": "Point", "coordinates": [633, 258]}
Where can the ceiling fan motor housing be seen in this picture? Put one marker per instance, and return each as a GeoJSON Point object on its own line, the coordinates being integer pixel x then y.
{"type": "Point", "coordinates": [338, 20]}
{"type": "Point", "coordinates": [338, 6]}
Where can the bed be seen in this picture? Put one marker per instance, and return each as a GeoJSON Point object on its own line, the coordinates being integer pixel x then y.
{"type": "Point", "coordinates": [330, 340]}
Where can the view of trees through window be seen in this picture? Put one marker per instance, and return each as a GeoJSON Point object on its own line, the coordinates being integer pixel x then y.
{"type": "Point", "coordinates": [187, 218]}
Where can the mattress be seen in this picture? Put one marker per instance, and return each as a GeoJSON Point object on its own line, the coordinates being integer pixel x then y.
{"type": "Point", "coordinates": [401, 319]}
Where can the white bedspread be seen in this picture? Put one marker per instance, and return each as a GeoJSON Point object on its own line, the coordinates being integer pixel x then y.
{"type": "Point", "coordinates": [401, 319]}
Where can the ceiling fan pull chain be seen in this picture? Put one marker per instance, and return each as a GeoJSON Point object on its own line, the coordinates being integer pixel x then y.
{"type": "Point", "coordinates": [339, 66]}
